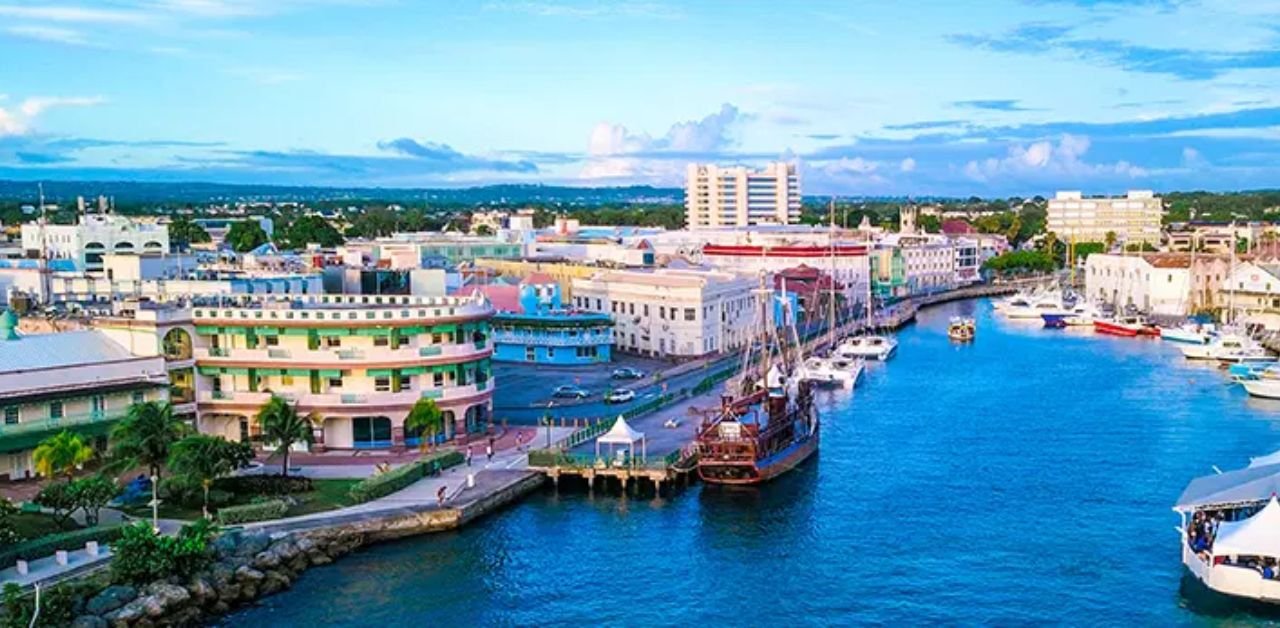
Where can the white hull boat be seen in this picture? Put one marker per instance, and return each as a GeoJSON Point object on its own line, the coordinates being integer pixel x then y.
{"type": "Point", "coordinates": [867, 347]}
{"type": "Point", "coordinates": [1189, 334]}
{"type": "Point", "coordinates": [1232, 348]}
{"type": "Point", "coordinates": [1265, 387]}
{"type": "Point", "coordinates": [831, 371]}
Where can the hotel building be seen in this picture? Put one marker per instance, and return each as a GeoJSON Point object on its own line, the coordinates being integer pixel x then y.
{"type": "Point", "coordinates": [672, 313]}
{"type": "Point", "coordinates": [1133, 218]}
{"type": "Point", "coordinates": [356, 363]}
{"type": "Point", "coordinates": [739, 197]}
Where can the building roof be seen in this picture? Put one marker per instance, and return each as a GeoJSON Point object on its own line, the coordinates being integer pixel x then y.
{"type": "Point", "coordinates": [538, 278]}
{"type": "Point", "coordinates": [503, 297]}
{"type": "Point", "coordinates": [956, 226]}
{"type": "Point", "coordinates": [44, 351]}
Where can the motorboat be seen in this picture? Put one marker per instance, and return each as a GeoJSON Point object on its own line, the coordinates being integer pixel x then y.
{"type": "Point", "coordinates": [1230, 527]}
{"type": "Point", "coordinates": [1263, 386]}
{"type": "Point", "coordinates": [831, 371]}
{"type": "Point", "coordinates": [1082, 315]}
{"type": "Point", "coordinates": [1246, 355]}
{"type": "Point", "coordinates": [1190, 333]}
{"type": "Point", "coordinates": [867, 347]}
{"type": "Point", "coordinates": [1034, 308]}
{"type": "Point", "coordinates": [1125, 325]}
{"type": "Point", "coordinates": [962, 329]}
{"type": "Point", "coordinates": [1227, 345]}
{"type": "Point", "coordinates": [1253, 370]}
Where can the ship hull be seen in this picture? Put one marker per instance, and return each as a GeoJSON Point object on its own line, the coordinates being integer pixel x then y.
{"type": "Point", "coordinates": [761, 471]}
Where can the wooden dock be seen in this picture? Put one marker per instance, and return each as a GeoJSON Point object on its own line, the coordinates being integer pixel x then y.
{"type": "Point", "coordinates": [672, 470]}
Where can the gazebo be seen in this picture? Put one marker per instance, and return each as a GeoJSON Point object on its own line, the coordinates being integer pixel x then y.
{"type": "Point", "coordinates": [622, 434]}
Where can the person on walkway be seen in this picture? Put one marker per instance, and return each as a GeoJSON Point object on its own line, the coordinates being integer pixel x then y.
{"type": "Point", "coordinates": [488, 451]}
{"type": "Point", "coordinates": [519, 441]}
{"type": "Point", "coordinates": [440, 496]}
{"type": "Point", "coordinates": [468, 455]}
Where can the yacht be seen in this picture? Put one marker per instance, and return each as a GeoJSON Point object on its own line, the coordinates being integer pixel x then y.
{"type": "Point", "coordinates": [831, 371]}
{"type": "Point", "coordinates": [1082, 315]}
{"type": "Point", "coordinates": [1230, 526]}
{"type": "Point", "coordinates": [867, 347]}
{"type": "Point", "coordinates": [1265, 385]}
{"type": "Point", "coordinates": [1125, 325]}
{"type": "Point", "coordinates": [1232, 345]}
{"type": "Point", "coordinates": [1047, 303]}
{"type": "Point", "coordinates": [1190, 333]}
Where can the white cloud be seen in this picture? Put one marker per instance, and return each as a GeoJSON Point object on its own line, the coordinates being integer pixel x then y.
{"type": "Point", "coordinates": [613, 151]}
{"type": "Point", "coordinates": [1044, 158]}
{"type": "Point", "coordinates": [1191, 158]}
{"type": "Point", "coordinates": [51, 34]}
{"type": "Point", "coordinates": [907, 165]}
{"type": "Point", "coordinates": [18, 120]}
{"type": "Point", "coordinates": [78, 15]}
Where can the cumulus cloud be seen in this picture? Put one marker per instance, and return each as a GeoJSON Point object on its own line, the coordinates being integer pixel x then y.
{"type": "Point", "coordinates": [614, 151]}
{"type": "Point", "coordinates": [18, 120]}
{"type": "Point", "coordinates": [908, 165]}
{"type": "Point", "coordinates": [1065, 159]}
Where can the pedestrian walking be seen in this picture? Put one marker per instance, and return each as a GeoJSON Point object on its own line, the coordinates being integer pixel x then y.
{"type": "Point", "coordinates": [468, 455]}
{"type": "Point", "coordinates": [519, 441]}
{"type": "Point", "coordinates": [488, 451]}
{"type": "Point", "coordinates": [440, 496]}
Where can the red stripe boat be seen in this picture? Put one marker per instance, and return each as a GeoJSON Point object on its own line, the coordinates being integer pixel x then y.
{"type": "Point", "coordinates": [1125, 326]}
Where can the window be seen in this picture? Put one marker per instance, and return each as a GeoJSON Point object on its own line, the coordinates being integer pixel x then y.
{"type": "Point", "coordinates": [690, 314]}
{"type": "Point", "coordinates": [286, 380]}
{"type": "Point", "coordinates": [139, 397]}
{"type": "Point", "coordinates": [55, 410]}
{"type": "Point", "coordinates": [332, 341]}
{"type": "Point", "coordinates": [437, 379]}
{"type": "Point", "coordinates": [244, 430]}
{"type": "Point", "coordinates": [271, 341]}
{"type": "Point", "coordinates": [381, 341]}
{"type": "Point", "coordinates": [662, 311]}
{"type": "Point", "coordinates": [404, 382]}
{"type": "Point", "coordinates": [98, 403]}
{"type": "Point", "coordinates": [335, 382]}
{"type": "Point", "coordinates": [551, 352]}
{"type": "Point", "coordinates": [11, 415]}
{"type": "Point", "coordinates": [631, 308]}
{"type": "Point", "coordinates": [646, 309]}
{"type": "Point", "coordinates": [435, 339]}
{"type": "Point", "coordinates": [382, 384]}
{"type": "Point", "coordinates": [530, 354]}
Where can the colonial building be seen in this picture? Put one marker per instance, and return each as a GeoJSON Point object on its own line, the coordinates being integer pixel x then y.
{"type": "Point", "coordinates": [533, 325]}
{"type": "Point", "coordinates": [1166, 284]}
{"type": "Point", "coordinates": [93, 236]}
{"type": "Point", "coordinates": [82, 381]}
{"type": "Point", "coordinates": [355, 363]}
{"type": "Point", "coordinates": [847, 263]}
{"type": "Point", "coordinates": [1252, 293]}
{"type": "Point", "coordinates": [674, 313]}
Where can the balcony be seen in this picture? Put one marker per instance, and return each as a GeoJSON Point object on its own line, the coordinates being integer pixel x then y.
{"type": "Point", "coordinates": [28, 434]}
{"type": "Point", "coordinates": [307, 401]}
{"type": "Point", "coordinates": [548, 340]}
{"type": "Point", "coordinates": [344, 358]}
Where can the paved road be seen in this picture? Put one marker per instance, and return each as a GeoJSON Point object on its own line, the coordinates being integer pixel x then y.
{"type": "Point", "coordinates": [659, 439]}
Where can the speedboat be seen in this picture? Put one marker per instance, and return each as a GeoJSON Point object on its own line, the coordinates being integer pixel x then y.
{"type": "Point", "coordinates": [832, 371]}
{"type": "Point", "coordinates": [1190, 333]}
{"type": "Point", "coordinates": [962, 329]}
{"type": "Point", "coordinates": [1082, 315]}
{"type": "Point", "coordinates": [1047, 303]}
{"type": "Point", "coordinates": [1223, 345]}
{"type": "Point", "coordinates": [1265, 387]}
{"type": "Point", "coordinates": [1125, 325]}
{"type": "Point", "coordinates": [867, 347]}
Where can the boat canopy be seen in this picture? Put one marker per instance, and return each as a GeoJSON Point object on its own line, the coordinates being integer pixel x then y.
{"type": "Point", "coordinates": [1262, 461]}
{"type": "Point", "coordinates": [1258, 535]}
{"type": "Point", "coordinates": [1252, 484]}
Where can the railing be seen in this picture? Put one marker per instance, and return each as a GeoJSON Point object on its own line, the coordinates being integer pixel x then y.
{"type": "Point", "coordinates": [353, 398]}
{"type": "Point", "coordinates": [350, 354]}
{"type": "Point", "coordinates": [586, 434]}
{"type": "Point", "coordinates": [71, 420]}
{"type": "Point", "coordinates": [277, 353]}
{"type": "Point", "coordinates": [546, 340]}
{"type": "Point", "coordinates": [219, 352]}
{"type": "Point", "coordinates": [427, 352]}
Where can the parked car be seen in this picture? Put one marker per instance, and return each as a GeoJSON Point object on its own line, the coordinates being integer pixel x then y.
{"type": "Point", "coordinates": [627, 372]}
{"type": "Point", "coordinates": [620, 395]}
{"type": "Point", "coordinates": [571, 392]}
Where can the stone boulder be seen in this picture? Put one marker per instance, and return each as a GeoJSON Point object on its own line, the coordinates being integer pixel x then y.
{"type": "Point", "coordinates": [110, 599]}
{"type": "Point", "coordinates": [89, 621]}
{"type": "Point", "coordinates": [163, 599]}
{"type": "Point", "coordinates": [247, 574]}
{"type": "Point", "coordinates": [126, 615]}
{"type": "Point", "coordinates": [266, 559]}
{"type": "Point", "coordinates": [252, 543]}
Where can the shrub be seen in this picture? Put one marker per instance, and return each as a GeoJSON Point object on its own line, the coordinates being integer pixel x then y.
{"type": "Point", "coordinates": [92, 494]}
{"type": "Point", "coordinates": [265, 484]}
{"type": "Point", "coordinates": [388, 483]}
{"type": "Point", "coordinates": [261, 511]}
{"type": "Point", "coordinates": [47, 545]}
{"type": "Point", "coordinates": [142, 556]}
{"type": "Point", "coordinates": [61, 499]}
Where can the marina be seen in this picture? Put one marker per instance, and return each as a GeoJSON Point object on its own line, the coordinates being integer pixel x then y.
{"type": "Point", "coordinates": [962, 457]}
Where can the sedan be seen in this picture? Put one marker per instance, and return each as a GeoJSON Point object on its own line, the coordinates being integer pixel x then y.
{"type": "Point", "coordinates": [620, 395]}
{"type": "Point", "coordinates": [627, 372]}
{"type": "Point", "coordinates": [570, 392]}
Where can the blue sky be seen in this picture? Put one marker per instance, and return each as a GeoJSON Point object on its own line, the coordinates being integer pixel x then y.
{"type": "Point", "coordinates": [982, 98]}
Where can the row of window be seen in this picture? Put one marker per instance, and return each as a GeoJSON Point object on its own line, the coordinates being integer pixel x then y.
{"type": "Point", "coordinates": [13, 414]}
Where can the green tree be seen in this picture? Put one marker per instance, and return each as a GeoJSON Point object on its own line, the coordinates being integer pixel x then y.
{"type": "Point", "coordinates": [145, 436]}
{"type": "Point", "coordinates": [8, 529]}
{"type": "Point", "coordinates": [931, 224]}
{"type": "Point", "coordinates": [1110, 241]}
{"type": "Point", "coordinates": [92, 494]}
{"type": "Point", "coordinates": [202, 459]}
{"type": "Point", "coordinates": [59, 498]}
{"type": "Point", "coordinates": [183, 233]}
{"type": "Point", "coordinates": [281, 424]}
{"type": "Point", "coordinates": [246, 235]}
{"type": "Point", "coordinates": [425, 418]}
{"type": "Point", "coordinates": [61, 454]}
{"type": "Point", "coordinates": [312, 230]}
{"type": "Point", "coordinates": [141, 555]}
{"type": "Point", "coordinates": [1015, 227]}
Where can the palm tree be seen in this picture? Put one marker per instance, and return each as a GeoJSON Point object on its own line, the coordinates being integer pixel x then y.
{"type": "Point", "coordinates": [1110, 240]}
{"type": "Point", "coordinates": [207, 458]}
{"type": "Point", "coordinates": [145, 435]}
{"type": "Point", "coordinates": [426, 418]}
{"type": "Point", "coordinates": [61, 454]}
{"type": "Point", "coordinates": [281, 423]}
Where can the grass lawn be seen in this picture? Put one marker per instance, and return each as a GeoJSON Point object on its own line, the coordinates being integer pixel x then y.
{"type": "Point", "coordinates": [32, 525]}
{"type": "Point", "coordinates": [328, 495]}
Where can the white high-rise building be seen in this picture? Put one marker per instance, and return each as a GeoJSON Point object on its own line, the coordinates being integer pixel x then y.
{"type": "Point", "coordinates": [1133, 218]}
{"type": "Point", "coordinates": [739, 197]}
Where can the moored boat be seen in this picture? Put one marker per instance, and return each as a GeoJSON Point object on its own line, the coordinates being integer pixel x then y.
{"type": "Point", "coordinates": [962, 329]}
{"type": "Point", "coordinates": [867, 347]}
{"type": "Point", "coordinates": [1082, 315]}
{"type": "Point", "coordinates": [831, 371]}
{"type": "Point", "coordinates": [1220, 346]}
{"type": "Point", "coordinates": [1130, 325]}
{"type": "Point", "coordinates": [1190, 333]}
{"type": "Point", "coordinates": [1264, 387]}
{"type": "Point", "coordinates": [1230, 533]}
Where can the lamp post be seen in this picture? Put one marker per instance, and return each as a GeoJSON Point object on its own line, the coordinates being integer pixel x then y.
{"type": "Point", "coordinates": [547, 418]}
{"type": "Point", "coordinates": [155, 504]}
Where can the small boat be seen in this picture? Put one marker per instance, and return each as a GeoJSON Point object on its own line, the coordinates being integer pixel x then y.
{"type": "Point", "coordinates": [1252, 370]}
{"type": "Point", "coordinates": [962, 329]}
{"type": "Point", "coordinates": [1082, 315]}
{"type": "Point", "coordinates": [1264, 387]}
{"type": "Point", "coordinates": [867, 347]}
{"type": "Point", "coordinates": [1035, 308]}
{"type": "Point", "coordinates": [1226, 345]}
{"type": "Point", "coordinates": [1127, 325]}
{"type": "Point", "coordinates": [831, 371]}
{"type": "Point", "coordinates": [1190, 333]}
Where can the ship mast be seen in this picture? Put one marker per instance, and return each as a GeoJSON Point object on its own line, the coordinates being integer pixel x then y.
{"type": "Point", "coordinates": [831, 293]}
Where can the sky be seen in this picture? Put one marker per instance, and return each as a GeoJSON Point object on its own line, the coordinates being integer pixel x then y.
{"type": "Point", "coordinates": [985, 98]}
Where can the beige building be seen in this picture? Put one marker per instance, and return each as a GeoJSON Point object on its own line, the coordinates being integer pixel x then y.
{"type": "Point", "coordinates": [675, 313]}
{"type": "Point", "coordinates": [1167, 284]}
{"type": "Point", "coordinates": [1133, 218]}
{"type": "Point", "coordinates": [739, 196]}
{"type": "Point", "coordinates": [82, 381]}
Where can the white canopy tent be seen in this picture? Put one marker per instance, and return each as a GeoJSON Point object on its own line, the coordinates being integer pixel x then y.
{"type": "Point", "coordinates": [1258, 535]}
{"type": "Point", "coordinates": [622, 434]}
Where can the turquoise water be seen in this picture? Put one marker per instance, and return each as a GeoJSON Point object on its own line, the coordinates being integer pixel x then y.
{"type": "Point", "coordinates": [1025, 478]}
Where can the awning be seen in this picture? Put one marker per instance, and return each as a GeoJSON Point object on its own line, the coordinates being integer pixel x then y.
{"type": "Point", "coordinates": [303, 372]}
{"type": "Point", "coordinates": [373, 331]}
{"type": "Point", "coordinates": [334, 332]}
{"type": "Point", "coordinates": [330, 372]}
{"type": "Point", "coordinates": [295, 331]}
{"type": "Point", "coordinates": [380, 372]}
{"type": "Point", "coordinates": [1252, 484]}
{"type": "Point", "coordinates": [1258, 535]}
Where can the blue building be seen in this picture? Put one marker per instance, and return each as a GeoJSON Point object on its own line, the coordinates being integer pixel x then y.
{"type": "Point", "coordinates": [532, 325]}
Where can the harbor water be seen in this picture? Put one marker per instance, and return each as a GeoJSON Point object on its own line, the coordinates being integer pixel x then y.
{"type": "Point", "coordinates": [1026, 477]}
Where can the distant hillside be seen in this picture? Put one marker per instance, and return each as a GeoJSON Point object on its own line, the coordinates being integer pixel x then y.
{"type": "Point", "coordinates": [198, 193]}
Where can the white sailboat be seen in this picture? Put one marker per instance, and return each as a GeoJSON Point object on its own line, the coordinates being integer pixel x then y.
{"type": "Point", "coordinates": [867, 346]}
{"type": "Point", "coordinates": [833, 369]}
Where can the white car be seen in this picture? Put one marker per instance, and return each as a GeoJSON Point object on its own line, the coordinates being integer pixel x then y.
{"type": "Point", "coordinates": [620, 395]}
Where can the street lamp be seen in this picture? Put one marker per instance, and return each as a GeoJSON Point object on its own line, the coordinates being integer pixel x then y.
{"type": "Point", "coordinates": [155, 504]}
{"type": "Point", "coordinates": [547, 418]}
